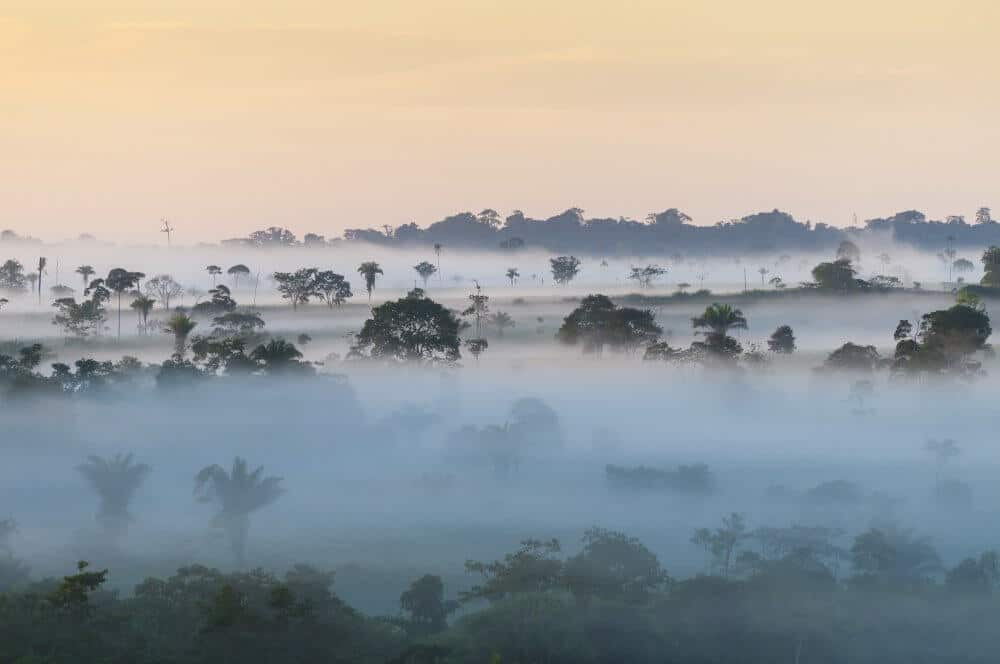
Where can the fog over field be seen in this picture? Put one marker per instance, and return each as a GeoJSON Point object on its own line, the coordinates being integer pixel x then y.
{"type": "Point", "coordinates": [392, 469]}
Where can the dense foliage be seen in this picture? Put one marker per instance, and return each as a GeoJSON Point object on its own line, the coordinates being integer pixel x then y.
{"type": "Point", "coordinates": [772, 594]}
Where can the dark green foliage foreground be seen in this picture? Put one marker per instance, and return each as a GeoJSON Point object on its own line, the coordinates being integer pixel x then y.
{"type": "Point", "coordinates": [779, 601]}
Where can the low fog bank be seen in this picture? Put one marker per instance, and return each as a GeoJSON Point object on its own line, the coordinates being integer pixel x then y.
{"type": "Point", "coordinates": [459, 269]}
{"type": "Point", "coordinates": [383, 475]}
{"type": "Point", "coordinates": [821, 323]}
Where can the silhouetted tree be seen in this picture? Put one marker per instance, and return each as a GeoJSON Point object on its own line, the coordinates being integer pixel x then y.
{"type": "Point", "coordinates": [332, 288]}
{"type": "Point", "coordinates": [279, 357]}
{"type": "Point", "coordinates": [512, 275]}
{"type": "Point", "coordinates": [225, 353]}
{"type": "Point", "coordinates": [762, 271]}
{"type": "Point", "coordinates": [564, 268]}
{"type": "Point", "coordinates": [848, 251]}
{"type": "Point", "coordinates": [782, 340]}
{"type": "Point", "coordinates": [142, 305]}
{"type": "Point", "coordinates": [836, 276]}
{"type": "Point", "coordinates": [976, 575]}
{"type": "Point", "coordinates": [244, 323]}
{"type": "Point", "coordinates": [853, 357]}
{"type": "Point", "coordinates": [12, 276]}
{"type": "Point", "coordinates": [272, 236]}
{"type": "Point", "coordinates": [214, 271]}
{"type": "Point", "coordinates": [991, 267]}
{"type": "Point", "coordinates": [120, 280]}
{"type": "Point", "coordinates": [533, 568]}
{"type": "Point", "coordinates": [79, 319]}
{"type": "Point", "coordinates": [98, 291]}
{"type": "Point", "coordinates": [220, 302]}
{"type": "Point", "coordinates": [645, 276]}
{"type": "Point", "coordinates": [370, 271]}
{"type": "Point", "coordinates": [478, 308]}
{"type": "Point", "coordinates": [116, 481]}
{"type": "Point", "coordinates": [42, 262]}
{"type": "Point", "coordinates": [425, 270]}
{"type": "Point", "coordinates": [963, 328]}
{"type": "Point", "coordinates": [723, 543]}
{"type": "Point", "coordinates": [297, 287]}
{"type": "Point", "coordinates": [613, 566]}
{"type": "Point", "coordinates": [237, 494]}
{"type": "Point", "coordinates": [164, 288]}
{"type": "Point", "coordinates": [963, 266]}
{"type": "Point", "coordinates": [237, 271]}
{"type": "Point", "coordinates": [945, 340]}
{"type": "Point", "coordinates": [72, 596]}
{"type": "Point", "coordinates": [477, 346]}
{"type": "Point", "coordinates": [597, 323]}
{"type": "Point", "coordinates": [424, 601]}
{"type": "Point", "coordinates": [893, 557]}
{"type": "Point", "coordinates": [85, 272]}
{"type": "Point", "coordinates": [718, 320]}
{"type": "Point", "coordinates": [411, 329]}
{"type": "Point", "coordinates": [180, 325]}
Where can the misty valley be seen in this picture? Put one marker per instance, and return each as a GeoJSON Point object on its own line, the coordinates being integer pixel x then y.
{"type": "Point", "coordinates": [378, 451]}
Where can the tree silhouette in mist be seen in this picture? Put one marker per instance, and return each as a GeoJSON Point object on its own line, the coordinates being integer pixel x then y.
{"type": "Point", "coordinates": [116, 481]}
{"type": "Point", "coordinates": [237, 493]}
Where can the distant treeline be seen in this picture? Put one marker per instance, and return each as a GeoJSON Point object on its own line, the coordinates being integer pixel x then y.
{"type": "Point", "coordinates": [664, 233]}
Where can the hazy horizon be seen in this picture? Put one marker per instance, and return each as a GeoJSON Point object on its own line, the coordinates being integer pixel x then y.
{"type": "Point", "coordinates": [324, 116]}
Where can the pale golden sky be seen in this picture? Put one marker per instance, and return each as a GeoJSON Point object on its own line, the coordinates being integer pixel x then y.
{"type": "Point", "coordinates": [321, 115]}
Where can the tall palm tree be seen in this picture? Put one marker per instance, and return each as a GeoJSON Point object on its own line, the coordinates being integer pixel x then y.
{"type": "Point", "coordinates": [720, 318]}
{"type": "Point", "coordinates": [437, 252]}
{"type": "Point", "coordinates": [370, 271]}
{"type": "Point", "coordinates": [115, 480]}
{"type": "Point", "coordinates": [86, 272]}
{"type": "Point", "coordinates": [179, 325]}
{"type": "Point", "coordinates": [425, 270]}
{"type": "Point", "coordinates": [279, 356]}
{"type": "Point", "coordinates": [142, 305]}
{"type": "Point", "coordinates": [513, 274]}
{"type": "Point", "coordinates": [237, 494]}
{"type": "Point", "coordinates": [42, 262]}
{"type": "Point", "coordinates": [120, 280]}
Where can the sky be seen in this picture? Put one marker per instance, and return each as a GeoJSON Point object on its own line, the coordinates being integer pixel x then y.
{"type": "Point", "coordinates": [230, 115]}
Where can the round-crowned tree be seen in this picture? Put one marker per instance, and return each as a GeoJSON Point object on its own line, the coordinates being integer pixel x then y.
{"type": "Point", "coordinates": [597, 323]}
{"type": "Point", "coordinates": [411, 329]}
